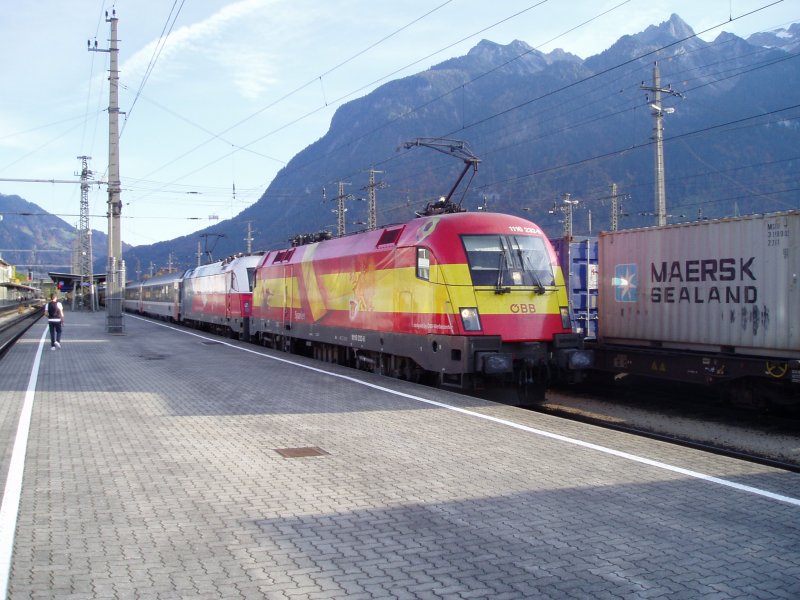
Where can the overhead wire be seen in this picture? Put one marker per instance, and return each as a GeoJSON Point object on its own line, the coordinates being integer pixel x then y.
{"type": "Point", "coordinates": [365, 50]}
{"type": "Point", "coordinates": [445, 94]}
{"type": "Point", "coordinates": [204, 129]}
{"type": "Point", "coordinates": [600, 157]}
{"type": "Point", "coordinates": [160, 45]}
{"type": "Point", "coordinates": [451, 133]}
{"type": "Point", "coordinates": [287, 96]}
{"type": "Point", "coordinates": [620, 151]}
{"type": "Point", "coordinates": [602, 117]}
{"type": "Point", "coordinates": [272, 132]}
{"type": "Point", "coordinates": [340, 99]}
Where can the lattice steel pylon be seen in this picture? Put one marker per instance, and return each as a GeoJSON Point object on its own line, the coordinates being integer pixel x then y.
{"type": "Point", "coordinates": [372, 210]}
{"type": "Point", "coordinates": [86, 296]}
{"type": "Point", "coordinates": [341, 228]}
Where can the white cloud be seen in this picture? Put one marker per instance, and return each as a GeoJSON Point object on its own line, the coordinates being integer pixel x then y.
{"type": "Point", "coordinates": [209, 45]}
{"type": "Point", "coordinates": [251, 70]}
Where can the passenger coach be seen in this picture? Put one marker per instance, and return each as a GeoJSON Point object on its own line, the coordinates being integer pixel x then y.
{"type": "Point", "coordinates": [156, 297]}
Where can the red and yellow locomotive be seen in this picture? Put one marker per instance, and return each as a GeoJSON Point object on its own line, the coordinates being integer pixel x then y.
{"type": "Point", "coordinates": [456, 298]}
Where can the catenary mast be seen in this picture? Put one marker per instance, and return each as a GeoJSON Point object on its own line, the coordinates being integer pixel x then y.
{"type": "Point", "coordinates": [658, 112]}
{"type": "Point", "coordinates": [87, 297]}
{"type": "Point", "coordinates": [115, 270]}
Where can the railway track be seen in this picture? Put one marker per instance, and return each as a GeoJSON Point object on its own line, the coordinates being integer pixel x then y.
{"type": "Point", "coordinates": [14, 322]}
{"type": "Point", "coordinates": [684, 415]}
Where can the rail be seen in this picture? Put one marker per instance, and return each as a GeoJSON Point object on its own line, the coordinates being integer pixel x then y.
{"type": "Point", "coordinates": [16, 319]}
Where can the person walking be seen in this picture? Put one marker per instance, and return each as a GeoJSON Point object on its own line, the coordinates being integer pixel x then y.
{"type": "Point", "coordinates": [54, 312]}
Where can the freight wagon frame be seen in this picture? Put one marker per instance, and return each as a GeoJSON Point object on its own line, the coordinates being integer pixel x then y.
{"type": "Point", "coordinates": [713, 303]}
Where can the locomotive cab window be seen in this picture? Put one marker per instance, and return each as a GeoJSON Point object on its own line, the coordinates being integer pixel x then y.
{"type": "Point", "coordinates": [423, 263]}
{"type": "Point", "coordinates": [508, 260]}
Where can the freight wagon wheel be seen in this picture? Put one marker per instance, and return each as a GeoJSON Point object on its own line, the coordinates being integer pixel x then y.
{"type": "Point", "coordinates": [745, 394]}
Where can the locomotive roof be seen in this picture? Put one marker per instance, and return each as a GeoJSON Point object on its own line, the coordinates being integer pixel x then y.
{"type": "Point", "coordinates": [426, 231]}
{"type": "Point", "coordinates": [224, 265]}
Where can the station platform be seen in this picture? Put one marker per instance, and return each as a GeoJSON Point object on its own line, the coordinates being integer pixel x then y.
{"type": "Point", "coordinates": [163, 463]}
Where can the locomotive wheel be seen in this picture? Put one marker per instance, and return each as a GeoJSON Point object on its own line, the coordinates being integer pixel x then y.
{"type": "Point", "coordinates": [531, 386]}
{"type": "Point", "coordinates": [404, 369]}
{"type": "Point", "coordinates": [531, 394]}
{"type": "Point", "coordinates": [394, 367]}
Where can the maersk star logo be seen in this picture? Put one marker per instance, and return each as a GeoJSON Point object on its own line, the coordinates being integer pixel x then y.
{"type": "Point", "coordinates": [626, 283]}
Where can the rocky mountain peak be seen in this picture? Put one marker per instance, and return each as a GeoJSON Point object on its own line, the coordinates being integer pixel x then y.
{"type": "Point", "coordinates": [784, 39]}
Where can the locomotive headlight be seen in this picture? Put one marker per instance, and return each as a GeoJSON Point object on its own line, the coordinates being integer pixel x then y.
{"type": "Point", "coordinates": [566, 323]}
{"type": "Point", "coordinates": [470, 319]}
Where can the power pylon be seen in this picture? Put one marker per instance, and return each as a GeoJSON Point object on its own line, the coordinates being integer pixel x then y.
{"type": "Point", "coordinates": [86, 297]}
{"type": "Point", "coordinates": [372, 210]}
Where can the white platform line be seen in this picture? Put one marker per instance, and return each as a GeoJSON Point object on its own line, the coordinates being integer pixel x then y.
{"type": "Point", "coordinates": [13, 490]}
{"type": "Point", "coordinates": [540, 432]}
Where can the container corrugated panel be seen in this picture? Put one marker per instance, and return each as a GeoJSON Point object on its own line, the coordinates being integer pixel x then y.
{"type": "Point", "coordinates": [578, 259]}
{"type": "Point", "coordinates": [728, 285]}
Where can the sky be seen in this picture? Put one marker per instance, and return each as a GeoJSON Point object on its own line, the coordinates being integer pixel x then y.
{"type": "Point", "coordinates": [218, 95]}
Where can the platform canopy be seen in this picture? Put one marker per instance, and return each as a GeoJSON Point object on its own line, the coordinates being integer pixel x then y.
{"type": "Point", "coordinates": [66, 281]}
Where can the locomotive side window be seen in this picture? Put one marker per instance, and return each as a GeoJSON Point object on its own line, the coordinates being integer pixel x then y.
{"type": "Point", "coordinates": [423, 264]}
{"type": "Point", "coordinates": [502, 261]}
{"type": "Point", "coordinates": [486, 257]}
{"type": "Point", "coordinates": [251, 278]}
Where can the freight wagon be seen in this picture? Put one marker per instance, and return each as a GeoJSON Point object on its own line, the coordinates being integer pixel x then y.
{"type": "Point", "coordinates": [712, 302]}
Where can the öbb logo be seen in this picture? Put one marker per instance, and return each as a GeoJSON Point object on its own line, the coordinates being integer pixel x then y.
{"type": "Point", "coordinates": [523, 309]}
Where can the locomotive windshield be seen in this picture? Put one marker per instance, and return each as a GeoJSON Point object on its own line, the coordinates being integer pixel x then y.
{"type": "Point", "coordinates": [508, 260]}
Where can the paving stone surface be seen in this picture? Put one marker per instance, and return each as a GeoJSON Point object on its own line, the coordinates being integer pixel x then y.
{"type": "Point", "coordinates": [152, 472]}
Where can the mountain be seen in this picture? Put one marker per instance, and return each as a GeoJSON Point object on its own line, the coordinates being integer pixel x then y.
{"type": "Point", "coordinates": [544, 125]}
{"type": "Point", "coordinates": [539, 122]}
{"type": "Point", "coordinates": [43, 243]}
{"type": "Point", "coordinates": [785, 39]}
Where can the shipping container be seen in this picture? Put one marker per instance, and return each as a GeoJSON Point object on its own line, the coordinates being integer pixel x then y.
{"type": "Point", "coordinates": [728, 285]}
{"type": "Point", "coordinates": [578, 259]}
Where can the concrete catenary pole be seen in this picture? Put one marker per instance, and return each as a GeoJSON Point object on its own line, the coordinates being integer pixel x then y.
{"type": "Point", "coordinates": [658, 113]}
{"type": "Point", "coordinates": [658, 132]}
{"type": "Point", "coordinates": [115, 270]}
